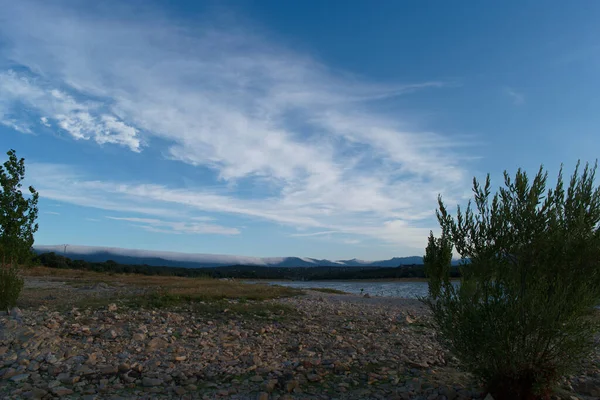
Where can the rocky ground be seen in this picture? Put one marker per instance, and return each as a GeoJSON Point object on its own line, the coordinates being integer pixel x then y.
{"type": "Point", "coordinates": [316, 346]}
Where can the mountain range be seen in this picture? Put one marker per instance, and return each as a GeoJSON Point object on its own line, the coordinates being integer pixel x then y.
{"type": "Point", "coordinates": [197, 260]}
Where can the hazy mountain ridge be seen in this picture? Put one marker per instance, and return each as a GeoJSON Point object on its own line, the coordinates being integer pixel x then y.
{"type": "Point", "coordinates": [199, 260]}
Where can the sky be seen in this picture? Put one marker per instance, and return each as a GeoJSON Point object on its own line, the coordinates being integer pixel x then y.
{"type": "Point", "coordinates": [308, 128]}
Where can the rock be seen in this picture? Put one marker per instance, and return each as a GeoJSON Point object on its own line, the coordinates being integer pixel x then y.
{"type": "Point", "coordinates": [180, 358]}
{"type": "Point", "coordinates": [489, 397]}
{"type": "Point", "coordinates": [112, 307]}
{"type": "Point", "coordinates": [16, 313]}
{"type": "Point", "coordinates": [19, 378]}
{"type": "Point", "coordinates": [313, 377]}
{"type": "Point", "coordinates": [124, 367]}
{"type": "Point", "coordinates": [67, 379]}
{"type": "Point", "coordinates": [61, 391]}
{"type": "Point", "coordinates": [109, 370]}
{"type": "Point", "coordinates": [84, 370]}
{"type": "Point", "coordinates": [179, 390]}
{"type": "Point", "coordinates": [150, 382]}
{"type": "Point", "coordinates": [270, 385]}
{"type": "Point", "coordinates": [263, 396]}
{"type": "Point", "coordinates": [449, 393]}
{"type": "Point", "coordinates": [139, 337]}
{"type": "Point", "coordinates": [110, 334]}
{"type": "Point", "coordinates": [257, 378]}
{"type": "Point", "coordinates": [51, 359]}
{"type": "Point", "coordinates": [587, 388]}
{"type": "Point", "coordinates": [38, 393]}
{"type": "Point", "coordinates": [53, 384]}
{"type": "Point", "coordinates": [156, 343]}
{"type": "Point", "coordinates": [418, 364]}
{"type": "Point", "coordinates": [92, 358]}
{"type": "Point", "coordinates": [291, 385]}
{"type": "Point", "coordinates": [8, 373]}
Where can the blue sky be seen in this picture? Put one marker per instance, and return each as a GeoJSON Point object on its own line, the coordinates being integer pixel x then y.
{"type": "Point", "coordinates": [266, 128]}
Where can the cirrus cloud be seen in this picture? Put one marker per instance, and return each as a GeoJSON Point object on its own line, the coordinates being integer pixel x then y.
{"type": "Point", "coordinates": [233, 103]}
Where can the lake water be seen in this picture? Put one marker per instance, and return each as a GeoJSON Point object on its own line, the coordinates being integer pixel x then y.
{"type": "Point", "coordinates": [409, 290]}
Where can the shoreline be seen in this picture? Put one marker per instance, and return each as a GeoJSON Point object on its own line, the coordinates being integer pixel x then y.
{"type": "Point", "coordinates": [382, 280]}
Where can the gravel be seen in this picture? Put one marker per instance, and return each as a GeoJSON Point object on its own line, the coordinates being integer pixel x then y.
{"type": "Point", "coordinates": [327, 347]}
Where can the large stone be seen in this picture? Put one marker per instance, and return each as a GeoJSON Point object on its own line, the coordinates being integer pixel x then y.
{"type": "Point", "coordinates": [19, 378]}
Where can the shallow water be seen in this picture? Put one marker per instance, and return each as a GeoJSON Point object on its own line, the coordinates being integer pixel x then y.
{"type": "Point", "coordinates": [408, 290]}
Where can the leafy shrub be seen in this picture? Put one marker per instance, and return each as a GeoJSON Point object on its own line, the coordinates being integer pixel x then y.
{"type": "Point", "coordinates": [11, 285]}
{"type": "Point", "coordinates": [521, 316]}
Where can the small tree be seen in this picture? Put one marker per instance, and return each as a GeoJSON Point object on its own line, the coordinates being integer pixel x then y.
{"type": "Point", "coordinates": [522, 314]}
{"type": "Point", "coordinates": [18, 214]}
{"type": "Point", "coordinates": [17, 226]}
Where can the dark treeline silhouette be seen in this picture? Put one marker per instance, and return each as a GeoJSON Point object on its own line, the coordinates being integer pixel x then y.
{"type": "Point", "coordinates": [53, 260]}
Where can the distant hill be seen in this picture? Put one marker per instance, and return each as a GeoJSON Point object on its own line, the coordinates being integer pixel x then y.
{"type": "Point", "coordinates": [197, 260]}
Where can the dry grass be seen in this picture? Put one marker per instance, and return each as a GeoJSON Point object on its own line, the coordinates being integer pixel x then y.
{"type": "Point", "coordinates": [167, 290]}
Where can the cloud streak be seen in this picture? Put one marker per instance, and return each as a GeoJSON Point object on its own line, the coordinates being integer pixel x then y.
{"type": "Point", "coordinates": [516, 97]}
{"type": "Point", "coordinates": [160, 226]}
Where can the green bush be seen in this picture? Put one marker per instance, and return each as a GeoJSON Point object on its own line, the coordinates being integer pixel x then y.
{"type": "Point", "coordinates": [522, 315]}
{"type": "Point", "coordinates": [11, 285]}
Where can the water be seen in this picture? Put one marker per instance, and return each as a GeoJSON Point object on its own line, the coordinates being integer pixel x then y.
{"type": "Point", "coordinates": [408, 290]}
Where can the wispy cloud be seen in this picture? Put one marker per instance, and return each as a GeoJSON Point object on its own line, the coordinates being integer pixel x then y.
{"type": "Point", "coordinates": [15, 125]}
{"type": "Point", "coordinates": [322, 233]}
{"type": "Point", "coordinates": [156, 225]}
{"type": "Point", "coordinates": [81, 120]}
{"type": "Point", "coordinates": [62, 184]}
{"type": "Point", "coordinates": [235, 103]}
{"type": "Point", "coordinates": [51, 213]}
{"type": "Point", "coordinates": [516, 97]}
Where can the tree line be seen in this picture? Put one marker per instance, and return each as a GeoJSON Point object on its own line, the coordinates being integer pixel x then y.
{"type": "Point", "coordinates": [53, 260]}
